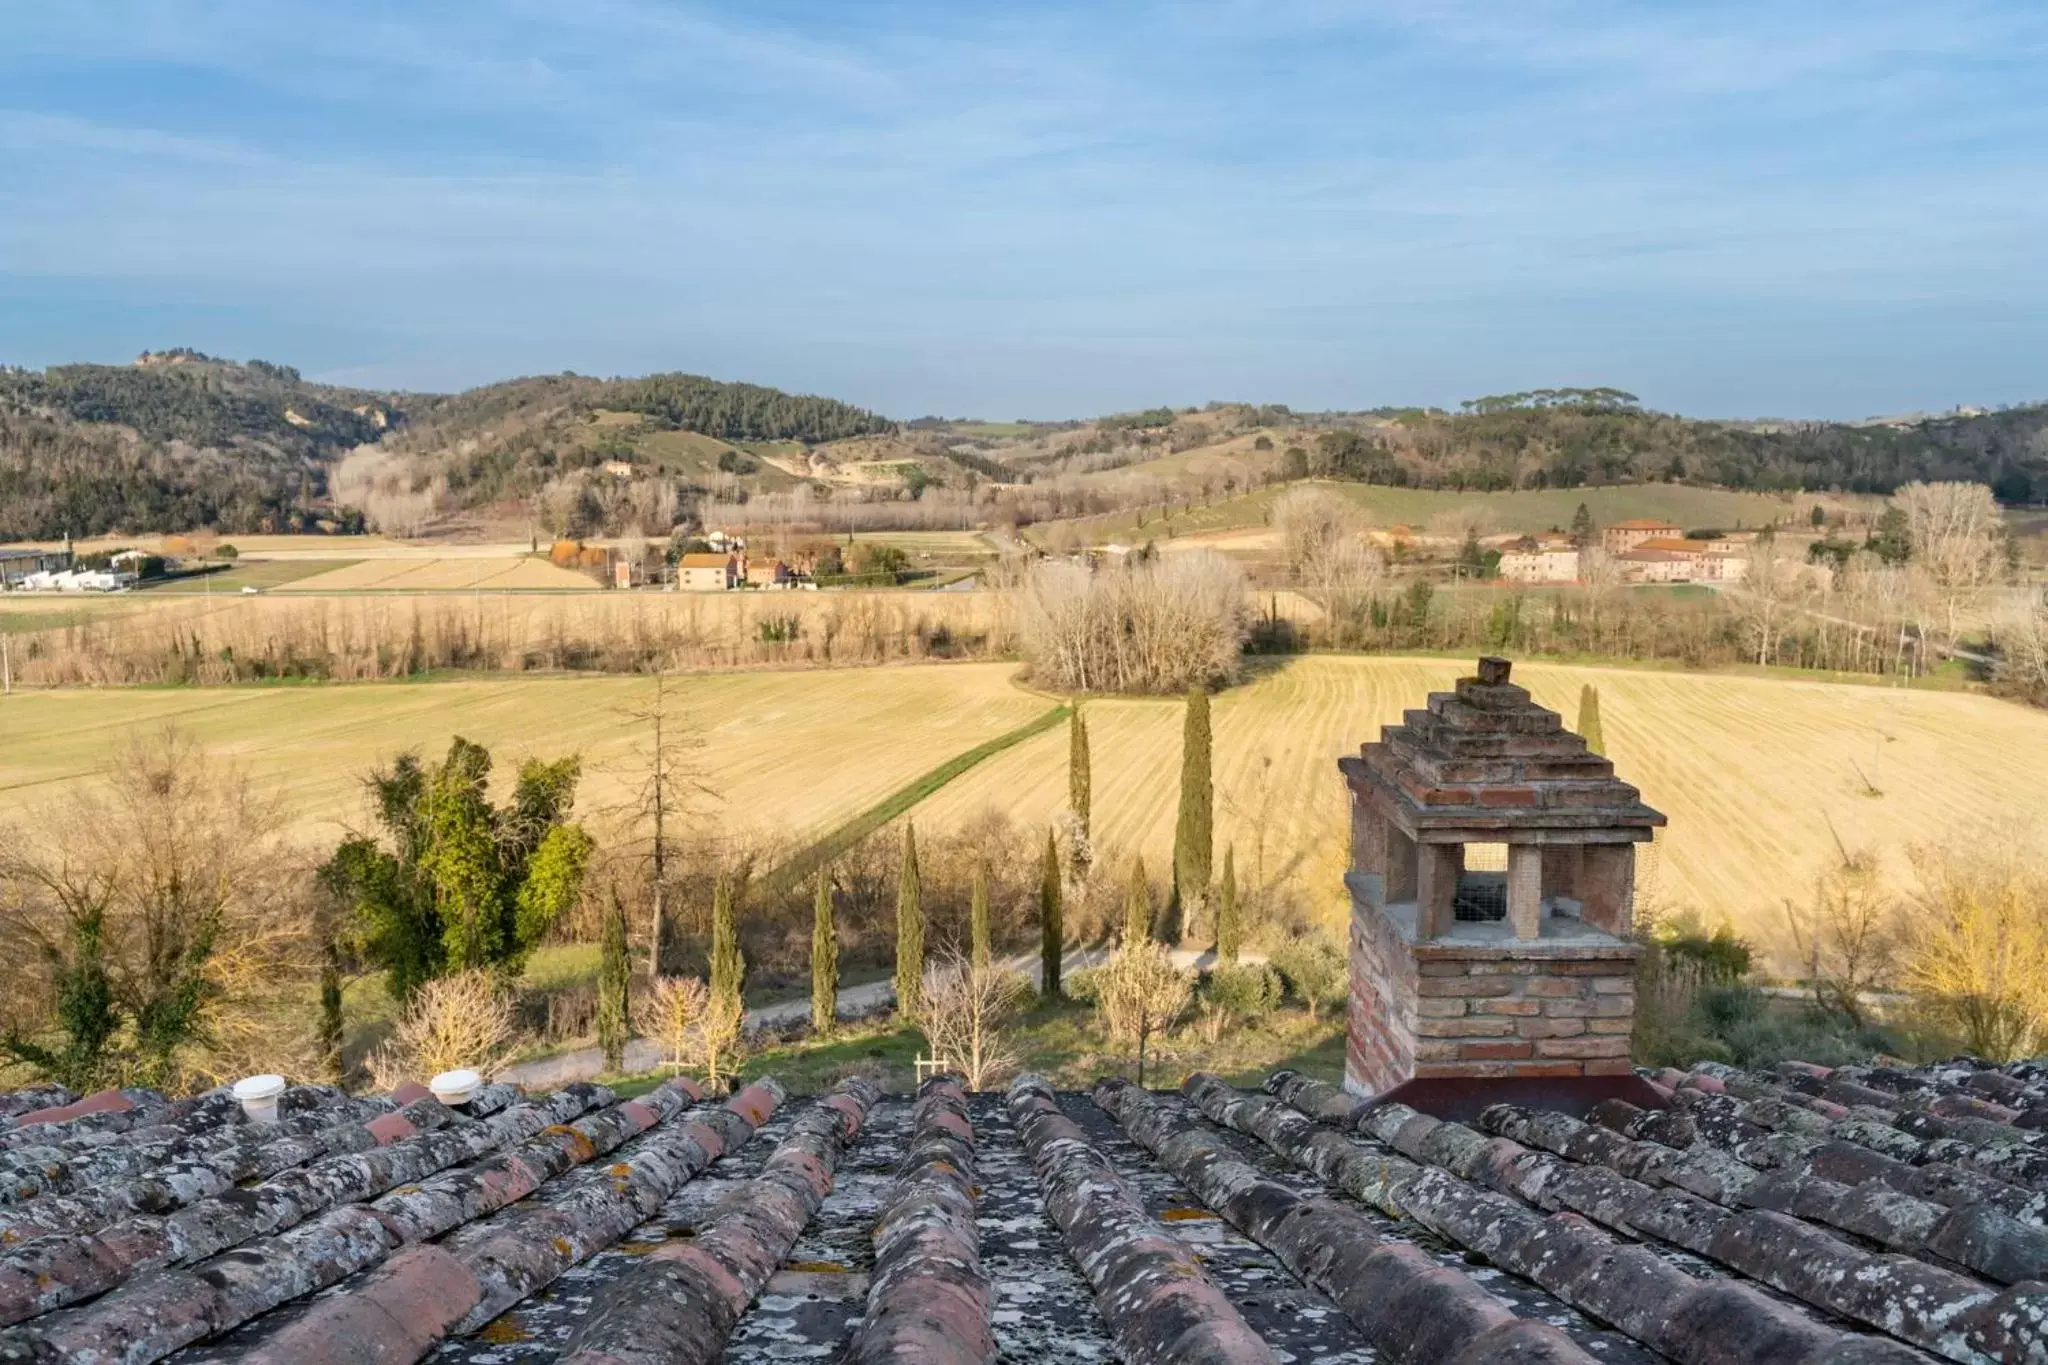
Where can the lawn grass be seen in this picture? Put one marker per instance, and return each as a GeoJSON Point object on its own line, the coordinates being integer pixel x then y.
{"type": "Point", "coordinates": [1059, 1040]}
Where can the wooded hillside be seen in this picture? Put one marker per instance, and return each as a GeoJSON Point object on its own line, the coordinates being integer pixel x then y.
{"type": "Point", "coordinates": [180, 439]}
{"type": "Point", "coordinates": [175, 441]}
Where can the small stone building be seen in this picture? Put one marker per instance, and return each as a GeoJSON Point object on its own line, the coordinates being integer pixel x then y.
{"type": "Point", "coordinates": [1492, 890]}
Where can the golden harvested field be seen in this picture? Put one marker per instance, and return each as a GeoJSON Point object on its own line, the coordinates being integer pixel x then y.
{"type": "Point", "coordinates": [1758, 775]}
{"type": "Point", "coordinates": [791, 753]}
{"type": "Point", "coordinates": [403, 573]}
{"type": "Point", "coordinates": [1754, 772]}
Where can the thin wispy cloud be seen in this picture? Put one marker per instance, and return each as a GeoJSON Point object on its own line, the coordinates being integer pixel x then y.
{"type": "Point", "coordinates": [1047, 208]}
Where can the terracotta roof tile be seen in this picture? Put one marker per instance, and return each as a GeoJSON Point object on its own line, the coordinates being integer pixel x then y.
{"type": "Point", "coordinates": [1811, 1214]}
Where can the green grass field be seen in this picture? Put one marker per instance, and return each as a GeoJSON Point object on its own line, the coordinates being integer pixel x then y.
{"type": "Point", "coordinates": [53, 616]}
{"type": "Point", "coordinates": [990, 430]}
{"type": "Point", "coordinates": [1527, 511]}
{"type": "Point", "coordinates": [251, 573]}
{"type": "Point", "coordinates": [937, 546]}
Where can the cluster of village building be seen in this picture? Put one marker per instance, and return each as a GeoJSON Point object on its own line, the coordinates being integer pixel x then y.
{"type": "Point", "coordinates": [726, 566]}
{"type": "Point", "coordinates": [34, 570]}
{"type": "Point", "coordinates": [1644, 550]}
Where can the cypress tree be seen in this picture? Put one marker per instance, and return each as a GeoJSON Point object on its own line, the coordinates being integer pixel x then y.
{"type": "Point", "coordinates": [977, 915]}
{"type": "Point", "coordinates": [1193, 843]}
{"type": "Point", "coordinates": [1228, 930]}
{"type": "Point", "coordinates": [1582, 526]}
{"type": "Point", "coordinates": [824, 958]}
{"type": "Point", "coordinates": [330, 1010]}
{"type": "Point", "coordinates": [614, 971]}
{"type": "Point", "coordinates": [728, 963]}
{"type": "Point", "coordinates": [1589, 719]}
{"type": "Point", "coordinates": [1052, 929]}
{"type": "Point", "coordinates": [1137, 906]}
{"type": "Point", "coordinates": [1079, 778]}
{"type": "Point", "coordinates": [909, 929]}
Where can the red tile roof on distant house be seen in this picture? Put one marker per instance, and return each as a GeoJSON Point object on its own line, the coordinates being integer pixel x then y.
{"type": "Point", "coordinates": [705, 561]}
{"type": "Point", "coordinates": [1681, 544]}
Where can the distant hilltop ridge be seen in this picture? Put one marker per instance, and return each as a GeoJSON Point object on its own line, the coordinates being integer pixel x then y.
{"type": "Point", "coordinates": [181, 439]}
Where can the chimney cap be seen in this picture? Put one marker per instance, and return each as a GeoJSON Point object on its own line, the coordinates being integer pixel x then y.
{"type": "Point", "coordinates": [1493, 670]}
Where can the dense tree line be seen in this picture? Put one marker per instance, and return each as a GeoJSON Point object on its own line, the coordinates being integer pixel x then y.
{"type": "Point", "coordinates": [200, 404]}
{"type": "Point", "coordinates": [1543, 441]}
{"type": "Point", "coordinates": [741, 412]}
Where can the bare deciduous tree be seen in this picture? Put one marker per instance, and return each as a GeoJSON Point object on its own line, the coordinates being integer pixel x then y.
{"type": "Point", "coordinates": [2023, 648]}
{"type": "Point", "coordinates": [394, 496]}
{"type": "Point", "coordinates": [1978, 945]}
{"type": "Point", "coordinates": [669, 1011]}
{"type": "Point", "coordinates": [1330, 558]}
{"type": "Point", "coordinates": [460, 1021]}
{"type": "Point", "coordinates": [1958, 538]}
{"type": "Point", "coordinates": [666, 788]}
{"type": "Point", "coordinates": [1847, 934]}
{"type": "Point", "coordinates": [1164, 626]}
{"type": "Point", "coordinates": [966, 1006]}
{"type": "Point", "coordinates": [171, 900]}
{"type": "Point", "coordinates": [721, 1038]}
{"type": "Point", "coordinates": [1769, 584]}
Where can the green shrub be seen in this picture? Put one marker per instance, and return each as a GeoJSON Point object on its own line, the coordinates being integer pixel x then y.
{"type": "Point", "coordinates": [1315, 971]}
{"type": "Point", "coordinates": [1721, 957]}
{"type": "Point", "coordinates": [1238, 992]}
{"type": "Point", "coordinates": [1083, 987]}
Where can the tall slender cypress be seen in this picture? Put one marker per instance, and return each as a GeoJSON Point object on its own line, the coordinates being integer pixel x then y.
{"type": "Point", "coordinates": [977, 915]}
{"type": "Point", "coordinates": [330, 1011]}
{"type": "Point", "coordinates": [614, 973]}
{"type": "Point", "coordinates": [1079, 778]}
{"type": "Point", "coordinates": [728, 963]}
{"type": "Point", "coordinates": [824, 958]}
{"type": "Point", "coordinates": [1589, 719]}
{"type": "Point", "coordinates": [1229, 932]}
{"type": "Point", "coordinates": [909, 930]}
{"type": "Point", "coordinates": [1052, 928]}
{"type": "Point", "coordinates": [1137, 906]}
{"type": "Point", "coordinates": [1193, 838]}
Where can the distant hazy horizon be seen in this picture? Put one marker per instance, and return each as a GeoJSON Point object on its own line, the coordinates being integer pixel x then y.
{"type": "Point", "coordinates": [1048, 210]}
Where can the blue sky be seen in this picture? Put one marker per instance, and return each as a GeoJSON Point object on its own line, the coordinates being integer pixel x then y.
{"type": "Point", "coordinates": [1801, 207]}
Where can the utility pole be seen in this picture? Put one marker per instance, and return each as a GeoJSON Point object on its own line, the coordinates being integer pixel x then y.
{"type": "Point", "coordinates": [6, 668]}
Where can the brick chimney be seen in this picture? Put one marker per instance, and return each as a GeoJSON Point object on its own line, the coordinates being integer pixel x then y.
{"type": "Point", "coordinates": [1519, 969]}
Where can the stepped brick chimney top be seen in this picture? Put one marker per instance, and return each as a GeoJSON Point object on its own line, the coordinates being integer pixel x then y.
{"type": "Point", "coordinates": [1493, 894]}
